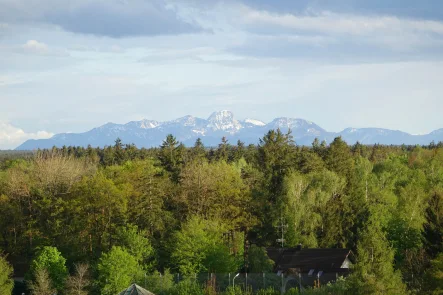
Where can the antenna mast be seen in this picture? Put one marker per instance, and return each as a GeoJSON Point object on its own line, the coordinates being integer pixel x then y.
{"type": "Point", "coordinates": [282, 227]}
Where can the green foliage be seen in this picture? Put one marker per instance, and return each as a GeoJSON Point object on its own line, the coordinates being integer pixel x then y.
{"type": "Point", "coordinates": [117, 269]}
{"type": "Point", "coordinates": [258, 260]}
{"type": "Point", "coordinates": [159, 283]}
{"type": "Point", "coordinates": [214, 190]}
{"type": "Point", "coordinates": [52, 261]}
{"type": "Point", "coordinates": [103, 207]}
{"type": "Point", "coordinates": [305, 204]}
{"type": "Point", "coordinates": [434, 275]}
{"type": "Point", "coordinates": [235, 291]}
{"type": "Point", "coordinates": [135, 242]}
{"type": "Point", "coordinates": [199, 247]}
{"type": "Point", "coordinates": [433, 228]}
{"type": "Point", "coordinates": [339, 157]}
{"type": "Point", "coordinates": [187, 287]}
{"type": "Point", "coordinates": [197, 209]}
{"type": "Point", "coordinates": [6, 282]}
{"type": "Point", "coordinates": [374, 272]}
{"type": "Point", "coordinates": [171, 156]}
{"type": "Point", "coordinates": [272, 291]}
{"type": "Point", "coordinates": [339, 287]}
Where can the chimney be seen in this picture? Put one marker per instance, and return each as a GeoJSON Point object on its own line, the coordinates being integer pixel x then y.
{"type": "Point", "coordinates": [299, 247]}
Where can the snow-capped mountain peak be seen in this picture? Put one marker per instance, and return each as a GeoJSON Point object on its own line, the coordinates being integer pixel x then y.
{"type": "Point", "coordinates": [254, 122]}
{"type": "Point", "coordinates": [219, 116]}
{"type": "Point", "coordinates": [186, 120]}
{"type": "Point", "coordinates": [223, 120]}
{"type": "Point", "coordinates": [143, 124]}
{"type": "Point", "coordinates": [148, 133]}
{"type": "Point", "coordinates": [146, 124]}
{"type": "Point", "coordinates": [284, 122]}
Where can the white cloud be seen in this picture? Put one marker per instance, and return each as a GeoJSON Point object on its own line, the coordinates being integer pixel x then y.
{"type": "Point", "coordinates": [11, 137]}
{"type": "Point", "coordinates": [35, 46]}
{"type": "Point", "coordinates": [328, 22]}
{"type": "Point", "coordinates": [318, 27]}
{"type": "Point", "coordinates": [40, 48]}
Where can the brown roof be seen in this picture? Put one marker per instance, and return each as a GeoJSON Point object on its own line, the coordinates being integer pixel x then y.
{"type": "Point", "coordinates": [307, 259]}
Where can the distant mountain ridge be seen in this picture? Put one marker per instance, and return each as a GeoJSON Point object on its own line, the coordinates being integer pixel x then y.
{"type": "Point", "coordinates": [151, 133]}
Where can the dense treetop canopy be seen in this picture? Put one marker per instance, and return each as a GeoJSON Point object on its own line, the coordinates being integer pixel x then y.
{"type": "Point", "coordinates": [127, 215]}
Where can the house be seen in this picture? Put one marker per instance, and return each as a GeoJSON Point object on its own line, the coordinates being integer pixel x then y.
{"type": "Point", "coordinates": [311, 267]}
{"type": "Point", "coordinates": [135, 289]}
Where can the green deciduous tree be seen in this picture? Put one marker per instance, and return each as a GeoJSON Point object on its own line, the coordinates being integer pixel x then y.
{"type": "Point", "coordinates": [199, 247]}
{"type": "Point", "coordinates": [117, 269]}
{"type": "Point", "coordinates": [215, 190]}
{"type": "Point", "coordinates": [258, 260]}
{"type": "Point", "coordinates": [52, 261]}
{"type": "Point", "coordinates": [135, 242]}
{"type": "Point", "coordinates": [6, 282]}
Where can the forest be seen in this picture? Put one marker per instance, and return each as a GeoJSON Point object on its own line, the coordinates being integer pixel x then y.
{"type": "Point", "coordinates": [94, 220]}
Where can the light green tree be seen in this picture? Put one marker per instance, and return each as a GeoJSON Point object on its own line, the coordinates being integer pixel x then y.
{"type": "Point", "coordinates": [135, 242]}
{"type": "Point", "coordinates": [51, 260]}
{"type": "Point", "coordinates": [6, 282]}
{"type": "Point", "coordinates": [304, 206]}
{"type": "Point", "coordinates": [199, 247]}
{"type": "Point", "coordinates": [117, 269]}
{"type": "Point", "coordinates": [215, 190]}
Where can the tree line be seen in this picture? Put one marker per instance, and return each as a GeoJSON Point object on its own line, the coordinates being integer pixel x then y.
{"type": "Point", "coordinates": [80, 216]}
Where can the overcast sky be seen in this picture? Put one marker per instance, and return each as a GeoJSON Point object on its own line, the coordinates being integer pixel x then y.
{"type": "Point", "coordinates": [69, 66]}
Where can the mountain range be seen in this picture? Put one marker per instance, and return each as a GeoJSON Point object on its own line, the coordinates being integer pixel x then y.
{"type": "Point", "coordinates": [151, 133]}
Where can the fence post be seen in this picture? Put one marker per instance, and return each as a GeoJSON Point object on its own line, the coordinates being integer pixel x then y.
{"type": "Point", "coordinates": [299, 281]}
{"type": "Point", "coordinates": [161, 282]}
{"type": "Point", "coordinates": [282, 291]}
{"type": "Point", "coordinates": [264, 281]}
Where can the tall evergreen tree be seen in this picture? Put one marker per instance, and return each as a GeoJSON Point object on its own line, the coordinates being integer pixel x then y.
{"type": "Point", "coordinates": [171, 156]}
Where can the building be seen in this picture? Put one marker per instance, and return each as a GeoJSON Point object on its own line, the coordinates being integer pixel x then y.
{"type": "Point", "coordinates": [310, 267]}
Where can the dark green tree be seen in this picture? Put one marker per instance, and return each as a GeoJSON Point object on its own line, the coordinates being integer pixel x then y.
{"type": "Point", "coordinates": [171, 156]}
{"type": "Point", "coordinates": [339, 158]}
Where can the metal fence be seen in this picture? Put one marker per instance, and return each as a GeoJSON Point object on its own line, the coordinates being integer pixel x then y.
{"type": "Point", "coordinates": [219, 282]}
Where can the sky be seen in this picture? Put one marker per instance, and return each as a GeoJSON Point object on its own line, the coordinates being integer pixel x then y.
{"type": "Point", "coordinates": [70, 66]}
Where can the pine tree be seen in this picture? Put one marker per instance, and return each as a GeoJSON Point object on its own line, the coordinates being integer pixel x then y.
{"type": "Point", "coordinates": [198, 151]}
{"type": "Point", "coordinates": [374, 271]}
{"type": "Point", "coordinates": [222, 153]}
{"type": "Point", "coordinates": [339, 158]}
{"type": "Point", "coordinates": [171, 156]}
